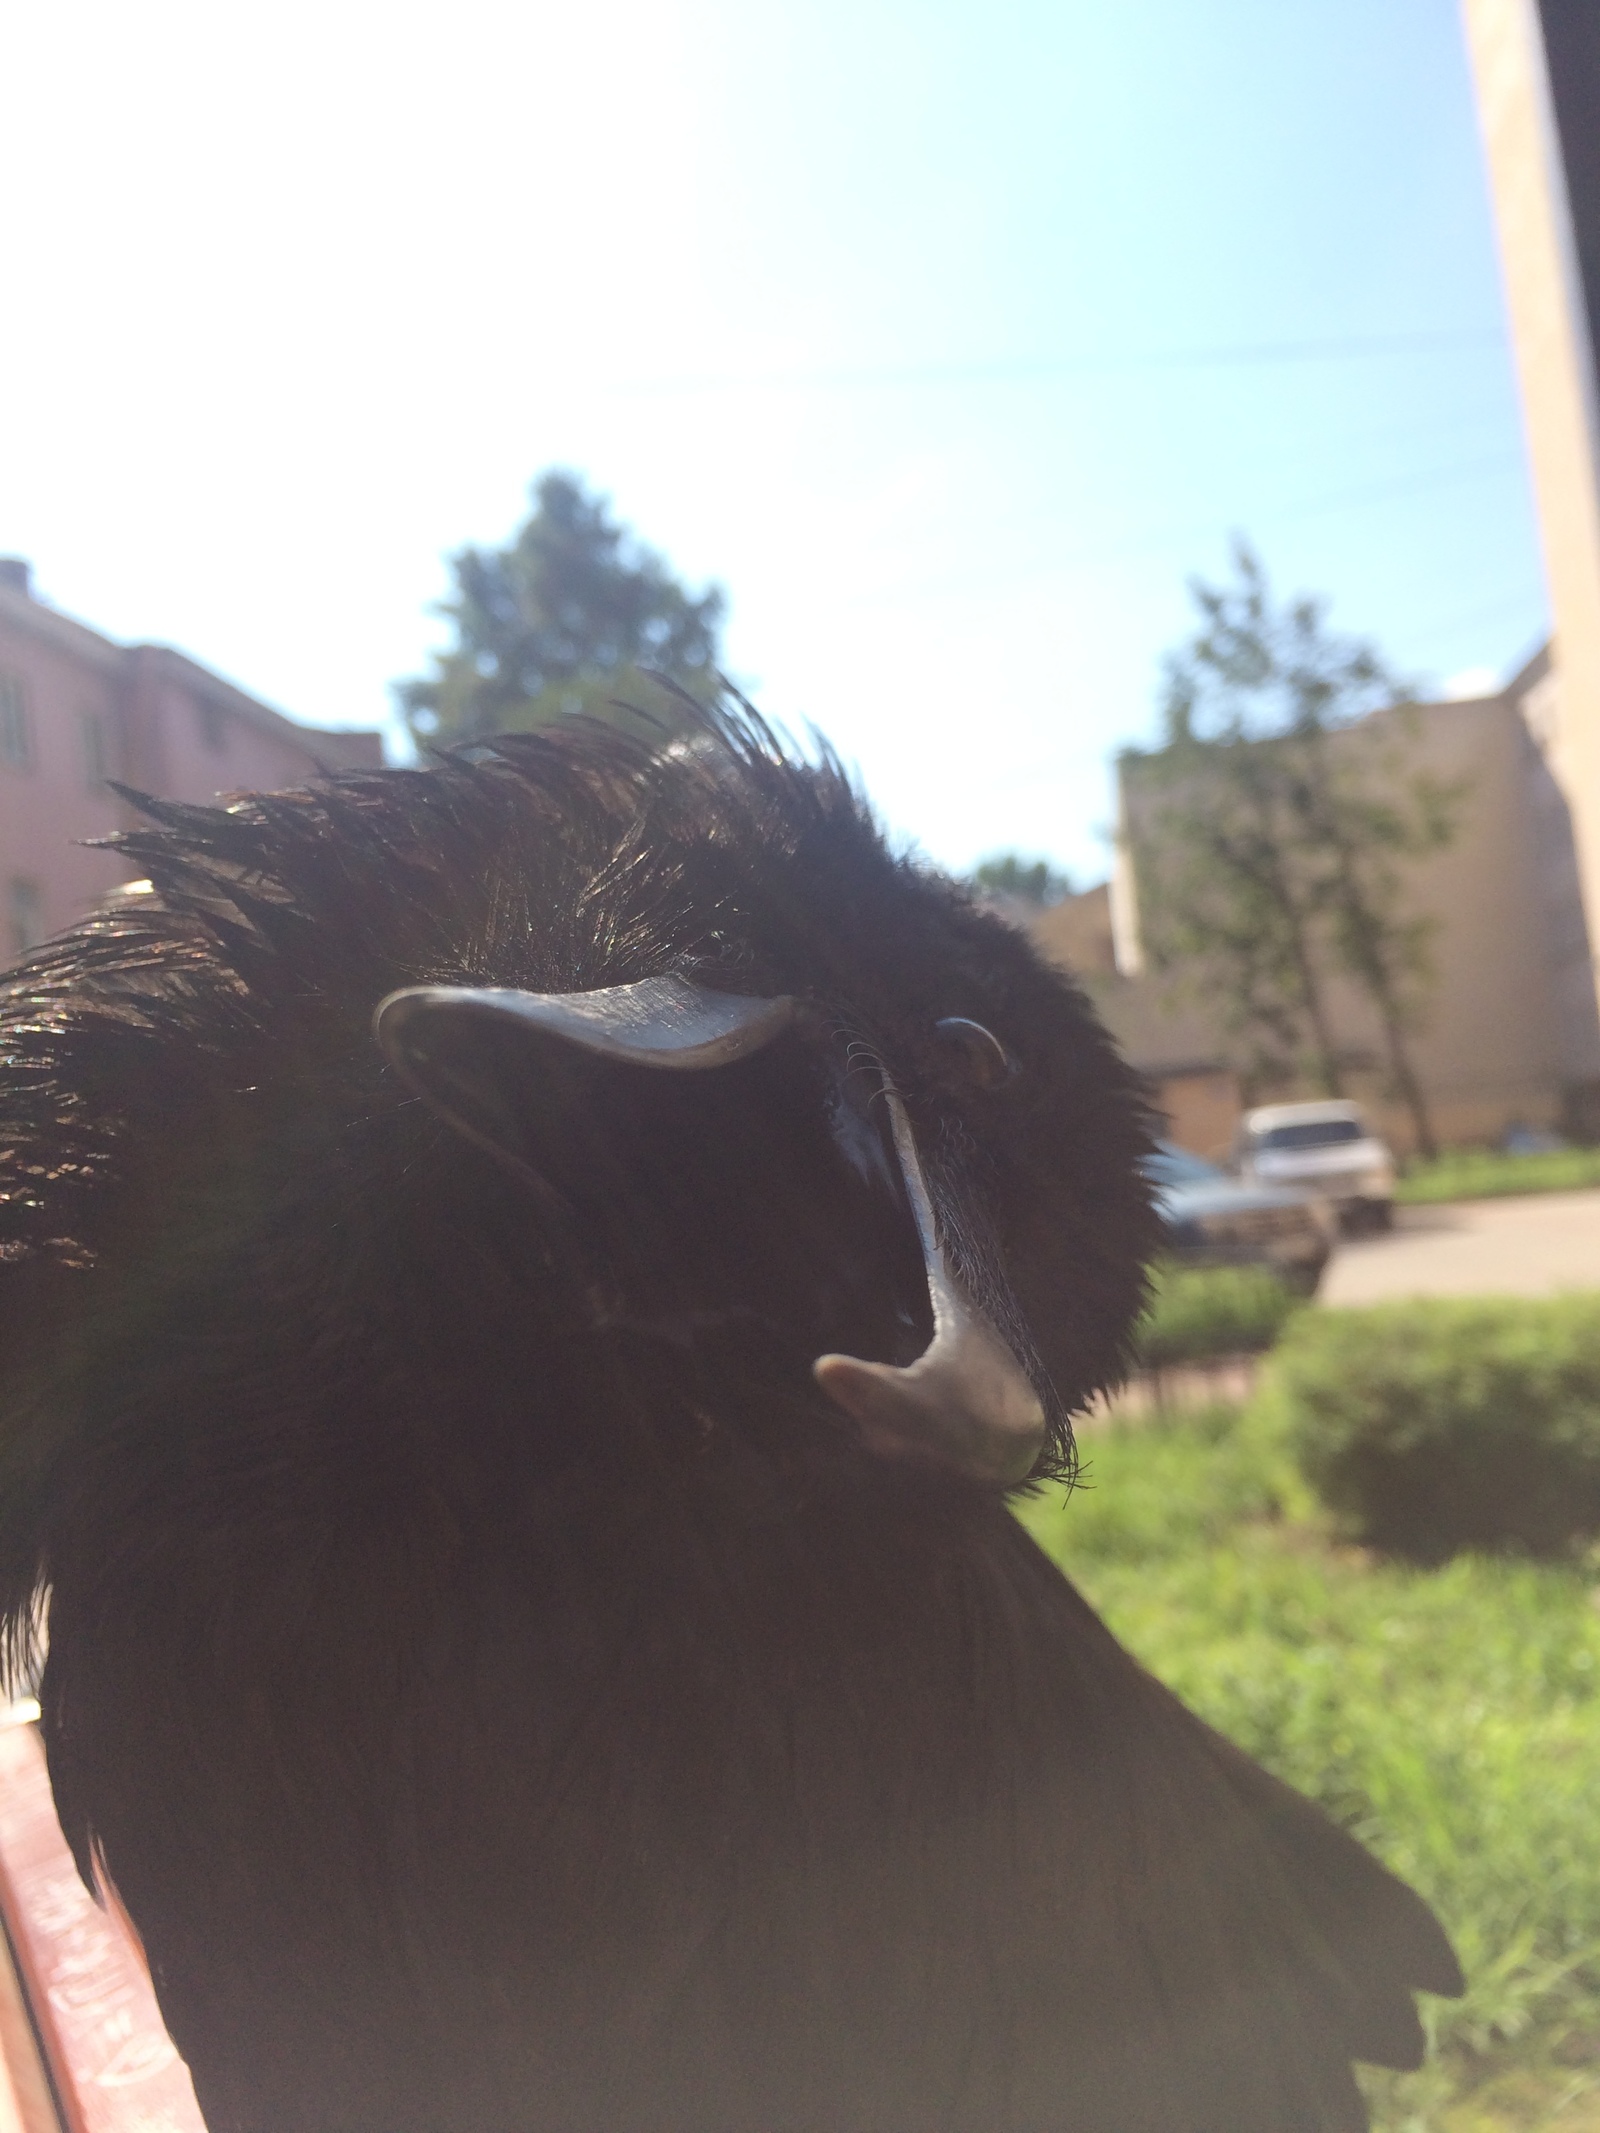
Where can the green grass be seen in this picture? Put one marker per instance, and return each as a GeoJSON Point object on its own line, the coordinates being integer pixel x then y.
{"type": "Point", "coordinates": [1484, 1174]}
{"type": "Point", "coordinates": [1451, 1718]}
{"type": "Point", "coordinates": [1198, 1312]}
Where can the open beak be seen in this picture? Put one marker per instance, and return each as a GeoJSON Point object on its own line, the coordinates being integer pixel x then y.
{"type": "Point", "coordinates": [965, 1404]}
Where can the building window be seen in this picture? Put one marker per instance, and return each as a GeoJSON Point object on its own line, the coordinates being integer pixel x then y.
{"type": "Point", "coordinates": [16, 729]}
{"type": "Point", "coordinates": [92, 739]}
{"type": "Point", "coordinates": [25, 914]}
{"type": "Point", "coordinates": [213, 726]}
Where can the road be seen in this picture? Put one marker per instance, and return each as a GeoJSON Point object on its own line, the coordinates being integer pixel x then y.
{"type": "Point", "coordinates": [1515, 1247]}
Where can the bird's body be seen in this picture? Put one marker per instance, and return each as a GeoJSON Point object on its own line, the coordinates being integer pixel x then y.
{"type": "Point", "coordinates": [510, 1688]}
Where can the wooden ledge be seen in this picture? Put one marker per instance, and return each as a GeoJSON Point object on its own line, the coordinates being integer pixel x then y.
{"type": "Point", "coordinates": [83, 2048]}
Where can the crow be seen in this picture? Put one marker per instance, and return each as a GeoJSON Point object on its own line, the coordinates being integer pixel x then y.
{"type": "Point", "coordinates": [525, 1285]}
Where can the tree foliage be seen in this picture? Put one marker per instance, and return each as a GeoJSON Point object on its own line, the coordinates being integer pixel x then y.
{"type": "Point", "coordinates": [1030, 881]}
{"type": "Point", "coordinates": [1273, 833]}
{"type": "Point", "coordinates": [573, 615]}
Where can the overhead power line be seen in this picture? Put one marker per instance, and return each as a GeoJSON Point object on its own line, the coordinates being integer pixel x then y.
{"type": "Point", "coordinates": [1154, 540]}
{"type": "Point", "coordinates": [1009, 370]}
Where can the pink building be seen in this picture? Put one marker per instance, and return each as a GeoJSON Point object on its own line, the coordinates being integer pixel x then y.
{"type": "Point", "coordinates": [75, 710]}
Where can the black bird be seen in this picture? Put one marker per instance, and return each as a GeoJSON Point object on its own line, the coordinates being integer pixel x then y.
{"type": "Point", "coordinates": [536, 1639]}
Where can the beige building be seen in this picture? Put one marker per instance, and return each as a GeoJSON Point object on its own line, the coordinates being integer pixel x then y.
{"type": "Point", "coordinates": [1511, 1035]}
{"type": "Point", "coordinates": [77, 709]}
{"type": "Point", "coordinates": [1536, 64]}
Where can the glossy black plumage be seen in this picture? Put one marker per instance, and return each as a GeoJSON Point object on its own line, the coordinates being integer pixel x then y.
{"type": "Point", "coordinates": [503, 1690]}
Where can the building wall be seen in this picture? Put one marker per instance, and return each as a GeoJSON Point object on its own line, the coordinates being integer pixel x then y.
{"type": "Point", "coordinates": [1540, 150]}
{"type": "Point", "coordinates": [86, 710]}
{"type": "Point", "coordinates": [66, 694]}
{"type": "Point", "coordinates": [192, 735]}
{"type": "Point", "coordinates": [1510, 1033]}
{"type": "Point", "coordinates": [1202, 1110]}
{"type": "Point", "coordinates": [1491, 1049]}
{"type": "Point", "coordinates": [1076, 932]}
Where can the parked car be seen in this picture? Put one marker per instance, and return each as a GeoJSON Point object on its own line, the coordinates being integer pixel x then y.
{"type": "Point", "coordinates": [1325, 1148]}
{"type": "Point", "coordinates": [1214, 1220]}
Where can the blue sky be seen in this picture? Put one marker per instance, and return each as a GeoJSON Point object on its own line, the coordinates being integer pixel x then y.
{"type": "Point", "coordinates": [949, 338]}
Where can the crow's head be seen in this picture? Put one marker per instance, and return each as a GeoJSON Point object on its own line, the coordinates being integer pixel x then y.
{"type": "Point", "coordinates": [589, 1102]}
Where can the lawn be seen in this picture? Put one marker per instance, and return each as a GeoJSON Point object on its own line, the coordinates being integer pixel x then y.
{"type": "Point", "coordinates": [1451, 1718]}
{"type": "Point", "coordinates": [1484, 1174]}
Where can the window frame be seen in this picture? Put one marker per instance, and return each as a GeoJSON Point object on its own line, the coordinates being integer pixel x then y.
{"type": "Point", "coordinates": [17, 750]}
{"type": "Point", "coordinates": [94, 747]}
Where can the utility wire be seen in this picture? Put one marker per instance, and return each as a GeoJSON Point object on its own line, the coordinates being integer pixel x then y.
{"type": "Point", "coordinates": [1154, 540]}
{"type": "Point", "coordinates": [1008, 370]}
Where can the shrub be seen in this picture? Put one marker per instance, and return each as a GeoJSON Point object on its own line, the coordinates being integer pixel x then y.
{"type": "Point", "coordinates": [1198, 1312]}
{"type": "Point", "coordinates": [1431, 1427]}
{"type": "Point", "coordinates": [1485, 1173]}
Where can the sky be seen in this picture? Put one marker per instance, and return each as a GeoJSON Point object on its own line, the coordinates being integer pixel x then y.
{"type": "Point", "coordinates": [951, 337]}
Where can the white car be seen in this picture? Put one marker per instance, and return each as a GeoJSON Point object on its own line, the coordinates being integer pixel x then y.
{"type": "Point", "coordinates": [1323, 1148]}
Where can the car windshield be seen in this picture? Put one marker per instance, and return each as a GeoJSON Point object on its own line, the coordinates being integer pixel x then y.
{"type": "Point", "coordinates": [1175, 1166]}
{"type": "Point", "coordinates": [1311, 1133]}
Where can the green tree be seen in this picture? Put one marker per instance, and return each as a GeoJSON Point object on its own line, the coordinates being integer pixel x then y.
{"type": "Point", "coordinates": [1226, 902]}
{"type": "Point", "coordinates": [1272, 834]}
{"type": "Point", "coordinates": [572, 616]}
{"type": "Point", "coordinates": [1031, 881]}
{"type": "Point", "coordinates": [1370, 824]}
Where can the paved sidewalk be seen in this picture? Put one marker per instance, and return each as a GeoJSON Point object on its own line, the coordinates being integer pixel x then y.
{"type": "Point", "coordinates": [1532, 1246]}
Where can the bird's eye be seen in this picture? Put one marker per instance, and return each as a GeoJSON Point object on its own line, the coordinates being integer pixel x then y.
{"type": "Point", "coordinates": [976, 1052]}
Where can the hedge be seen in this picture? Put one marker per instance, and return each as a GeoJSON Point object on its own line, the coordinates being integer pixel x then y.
{"type": "Point", "coordinates": [1434, 1426]}
{"type": "Point", "coordinates": [1487, 1173]}
{"type": "Point", "coordinates": [1196, 1313]}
